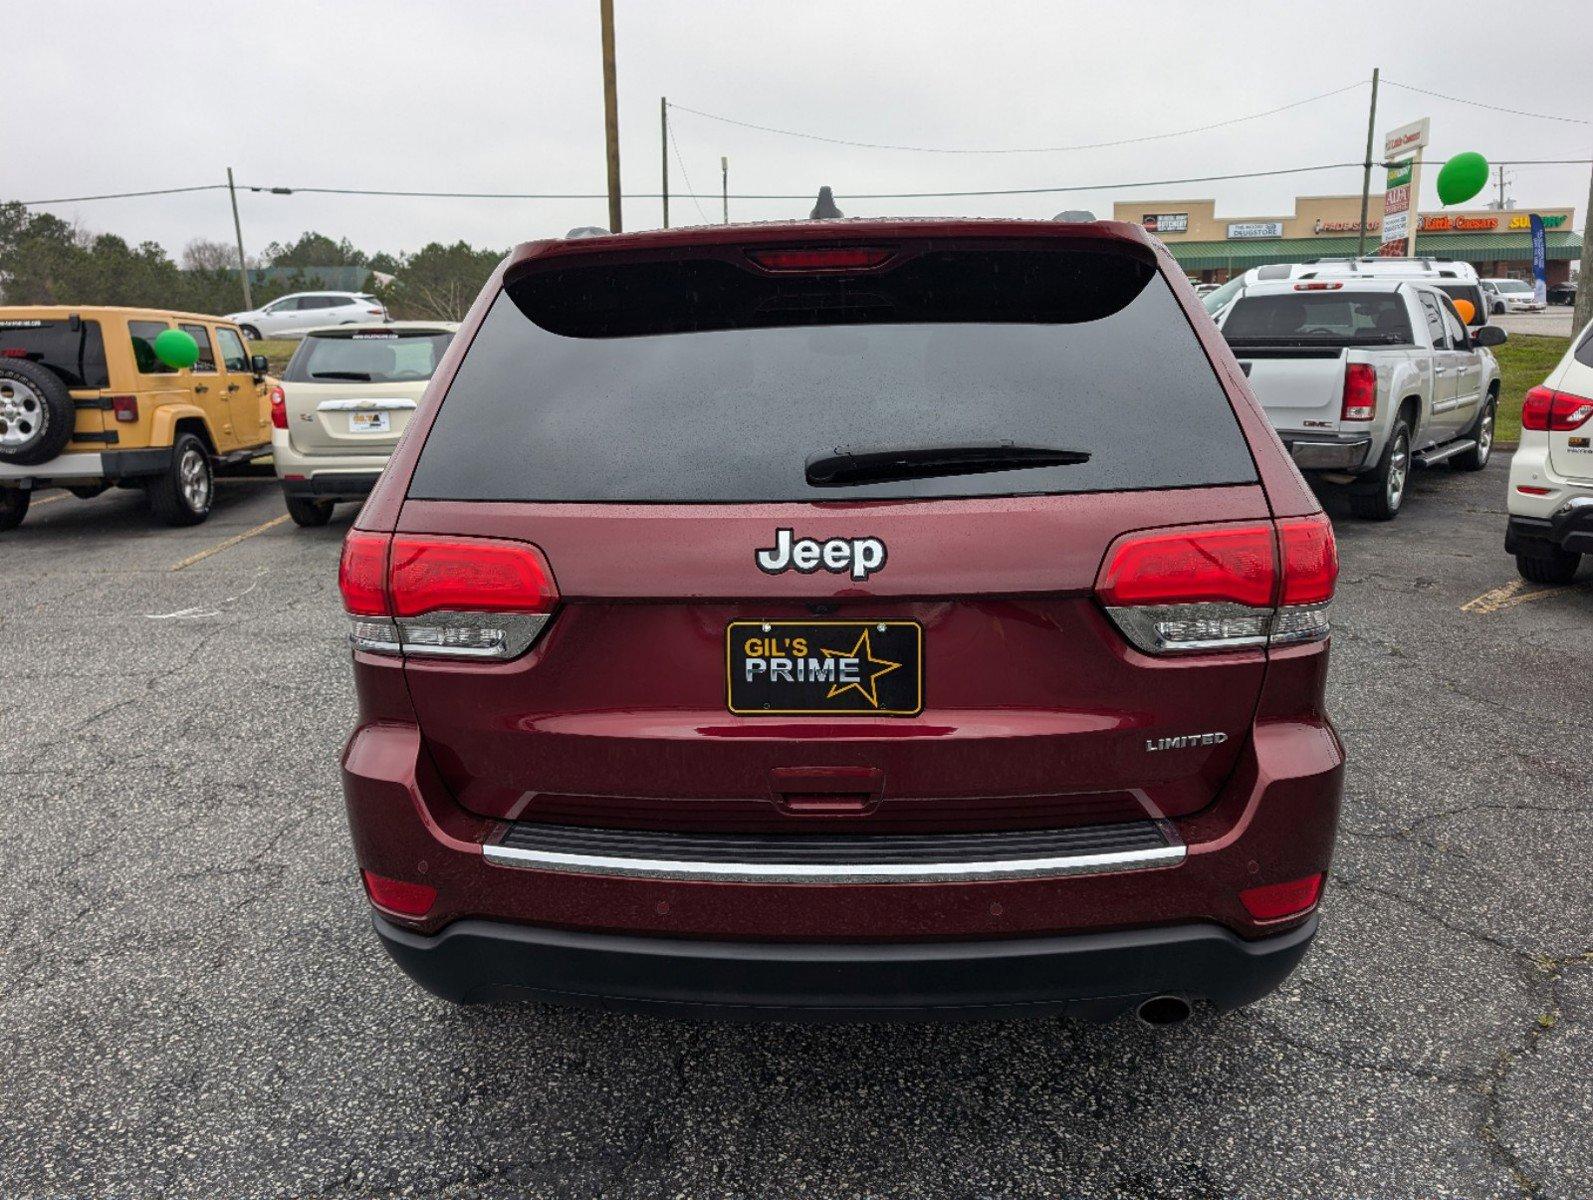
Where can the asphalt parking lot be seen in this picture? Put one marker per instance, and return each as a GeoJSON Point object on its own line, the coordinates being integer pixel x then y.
{"type": "Point", "coordinates": [192, 1003]}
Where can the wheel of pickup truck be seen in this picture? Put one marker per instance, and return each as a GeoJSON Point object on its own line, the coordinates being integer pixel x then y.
{"type": "Point", "coordinates": [1382, 493]}
{"type": "Point", "coordinates": [36, 413]}
{"type": "Point", "coordinates": [1476, 458]}
{"type": "Point", "coordinates": [182, 493]}
{"type": "Point", "coordinates": [13, 507]}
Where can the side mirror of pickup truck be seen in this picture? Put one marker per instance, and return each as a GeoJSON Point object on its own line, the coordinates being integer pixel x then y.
{"type": "Point", "coordinates": [1489, 335]}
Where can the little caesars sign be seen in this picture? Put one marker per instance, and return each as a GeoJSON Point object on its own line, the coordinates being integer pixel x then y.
{"type": "Point", "coordinates": [1402, 149]}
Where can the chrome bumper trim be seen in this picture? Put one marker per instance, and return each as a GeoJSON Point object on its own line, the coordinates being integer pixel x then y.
{"type": "Point", "coordinates": [1169, 855]}
{"type": "Point", "coordinates": [1330, 456]}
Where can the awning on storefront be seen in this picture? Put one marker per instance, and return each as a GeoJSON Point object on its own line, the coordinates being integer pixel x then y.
{"type": "Point", "coordinates": [1468, 247]}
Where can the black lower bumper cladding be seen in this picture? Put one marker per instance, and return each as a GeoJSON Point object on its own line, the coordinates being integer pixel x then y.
{"type": "Point", "coordinates": [1097, 975]}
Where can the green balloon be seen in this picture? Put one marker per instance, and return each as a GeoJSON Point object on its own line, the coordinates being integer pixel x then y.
{"type": "Point", "coordinates": [176, 348]}
{"type": "Point", "coordinates": [1462, 177]}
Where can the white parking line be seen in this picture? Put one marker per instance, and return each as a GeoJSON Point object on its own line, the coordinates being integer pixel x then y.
{"type": "Point", "coordinates": [232, 541]}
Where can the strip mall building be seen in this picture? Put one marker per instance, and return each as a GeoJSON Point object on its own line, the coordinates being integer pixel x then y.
{"type": "Point", "coordinates": [1211, 247]}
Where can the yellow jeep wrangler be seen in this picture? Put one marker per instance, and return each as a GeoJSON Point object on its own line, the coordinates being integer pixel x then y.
{"type": "Point", "coordinates": [87, 403]}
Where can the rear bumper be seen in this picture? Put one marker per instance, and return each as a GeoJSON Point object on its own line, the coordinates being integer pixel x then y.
{"type": "Point", "coordinates": [1096, 975]}
{"type": "Point", "coordinates": [1570, 527]}
{"type": "Point", "coordinates": [82, 466]}
{"type": "Point", "coordinates": [332, 485]}
{"type": "Point", "coordinates": [1346, 452]}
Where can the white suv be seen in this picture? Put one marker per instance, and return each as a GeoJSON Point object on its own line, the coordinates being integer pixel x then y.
{"type": "Point", "coordinates": [290, 316]}
{"type": "Point", "coordinates": [1551, 475]}
{"type": "Point", "coordinates": [1457, 280]}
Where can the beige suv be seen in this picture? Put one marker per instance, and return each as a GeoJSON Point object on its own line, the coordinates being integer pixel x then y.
{"type": "Point", "coordinates": [341, 406]}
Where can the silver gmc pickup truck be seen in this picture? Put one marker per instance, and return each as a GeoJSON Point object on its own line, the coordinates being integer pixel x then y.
{"type": "Point", "coordinates": [1363, 377]}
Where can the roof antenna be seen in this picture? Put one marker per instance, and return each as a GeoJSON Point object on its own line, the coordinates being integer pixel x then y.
{"type": "Point", "coordinates": [824, 207]}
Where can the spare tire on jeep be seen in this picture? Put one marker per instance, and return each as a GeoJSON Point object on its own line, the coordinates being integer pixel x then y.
{"type": "Point", "coordinates": [36, 413]}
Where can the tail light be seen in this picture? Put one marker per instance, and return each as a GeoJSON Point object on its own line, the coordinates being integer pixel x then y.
{"type": "Point", "coordinates": [125, 407]}
{"type": "Point", "coordinates": [1275, 901]}
{"type": "Point", "coordinates": [444, 597]}
{"type": "Point", "coordinates": [279, 408]}
{"type": "Point", "coordinates": [1221, 587]}
{"type": "Point", "coordinates": [1360, 392]}
{"type": "Point", "coordinates": [398, 896]}
{"type": "Point", "coordinates": [1545, 409]}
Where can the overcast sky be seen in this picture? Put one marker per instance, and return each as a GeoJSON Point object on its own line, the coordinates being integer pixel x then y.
{"type": "Point", "coordinates": [507, 96]}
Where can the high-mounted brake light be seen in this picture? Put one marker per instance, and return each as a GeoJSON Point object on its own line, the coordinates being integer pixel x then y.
{"type": "Point", "coordinates": [834, 258]}
{"type": "Point", "coordinates": [465, 597]}
{"type": "Point", "coordinates": [279, 408]}
{"type": "Point", "coordinates": [1317, 287]}
{"type": "Point", "coordinates": [1546, 409]}
{"type": "Point", "coordinates": [1360, 392]}
{"type": "Point", "coordinates": [13, 352]}
{"type": "Point", "coordinates": [1221, 587]}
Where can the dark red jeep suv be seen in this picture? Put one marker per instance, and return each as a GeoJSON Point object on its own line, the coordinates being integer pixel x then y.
{"type": "Point", "coordinates": [843, 618]}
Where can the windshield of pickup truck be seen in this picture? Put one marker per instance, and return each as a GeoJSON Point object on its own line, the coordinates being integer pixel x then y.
{"type": "Point", "coordinates": [1377, 318]}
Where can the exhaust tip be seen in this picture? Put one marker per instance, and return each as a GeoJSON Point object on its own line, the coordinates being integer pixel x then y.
{"type": "Point", "coordinates": [1164, 1010]}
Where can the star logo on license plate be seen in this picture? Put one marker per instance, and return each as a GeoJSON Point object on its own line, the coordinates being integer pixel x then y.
{"type": "Point", "coordinates": [863, 652]}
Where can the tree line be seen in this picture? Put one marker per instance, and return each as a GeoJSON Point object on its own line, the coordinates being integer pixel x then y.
{"type": "Point", "coordinates": [45, 260]}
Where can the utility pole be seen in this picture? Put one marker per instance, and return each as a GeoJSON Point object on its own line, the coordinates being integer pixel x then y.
{"type": "Point", "coordinates": [1366, 175]}
{"type": "Point", "coordinates": [724, 184]}
{"type": "Point", "coordinates": [663, 147]}
{"type": "Point", "coordinates": [616, 223]}
{"type": "Point", "coordinates": [237, 227]}
{"type": "Point", "coordinates": [1584, 281]}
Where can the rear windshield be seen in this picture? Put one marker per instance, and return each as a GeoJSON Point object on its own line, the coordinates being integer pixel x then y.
{"type": "Point", "coordinates": [384, 356]}
{"type": "Point", "coordinates": [705, 381]}
{"type": "Point", "coordinates": [77, 355]}
{"type": "Point", "coordinates": [1472, 295]}
{"type": "Point", "coordinates": [1311, 317]}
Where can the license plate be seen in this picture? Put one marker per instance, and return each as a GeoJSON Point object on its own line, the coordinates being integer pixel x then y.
{"type": "Point", "coordinates": [861, 668]}
{"type": "Point", "coordinates": [371, 422]}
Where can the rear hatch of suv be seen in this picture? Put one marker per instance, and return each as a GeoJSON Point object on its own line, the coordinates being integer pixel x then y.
{"type": "Point", "coordinates": [352, 391]}
{"type": "Point", "coordinates": [832, 537]}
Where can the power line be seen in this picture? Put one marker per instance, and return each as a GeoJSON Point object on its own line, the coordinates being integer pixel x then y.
{"type": "Point", "coordinates": [807, 195]}
{"type": "Point", "coordinates": [685, 174]}
{"type": "Point", "coordinates": [202, 187]}
{"type": "Point", "coordinates": [1153, 137]}
{"type": "Point", "coordinates": [1515, 112]}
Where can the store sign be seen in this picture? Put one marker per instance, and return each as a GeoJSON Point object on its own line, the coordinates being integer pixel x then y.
{"type": "Point", "coordinates": [1402, 149]}
{"type": "Point", "coordinates": [1444, 223]}
{"type": "Point", "coordinates": [1322, 226]}
{"type": "Point", "coordinates": [1552, 221]}
{"type": "Point", "coordinates": [1255, 229]}
{"type": "Point", "coordinates": [1165, 222]}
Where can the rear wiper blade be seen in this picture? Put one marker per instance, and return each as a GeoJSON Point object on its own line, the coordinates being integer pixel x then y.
{"type": "Point", "coordinates": [846, 465]}
{"type": "Point", "coordinates": [360, 376]}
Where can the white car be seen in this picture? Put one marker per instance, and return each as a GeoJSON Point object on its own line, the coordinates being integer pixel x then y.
{"type": "Point", "coordinates": [1551, 475]}
{"type": "Point", "coordinates": [290, 316]}
{"type": "Point", "coordinates": [1511, 296]}
{"type": "Point", "coordinates": [342, 404]}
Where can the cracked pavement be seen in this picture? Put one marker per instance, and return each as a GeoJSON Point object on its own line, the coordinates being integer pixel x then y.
{"type": "Point", "coordinates": [192, 1003]}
